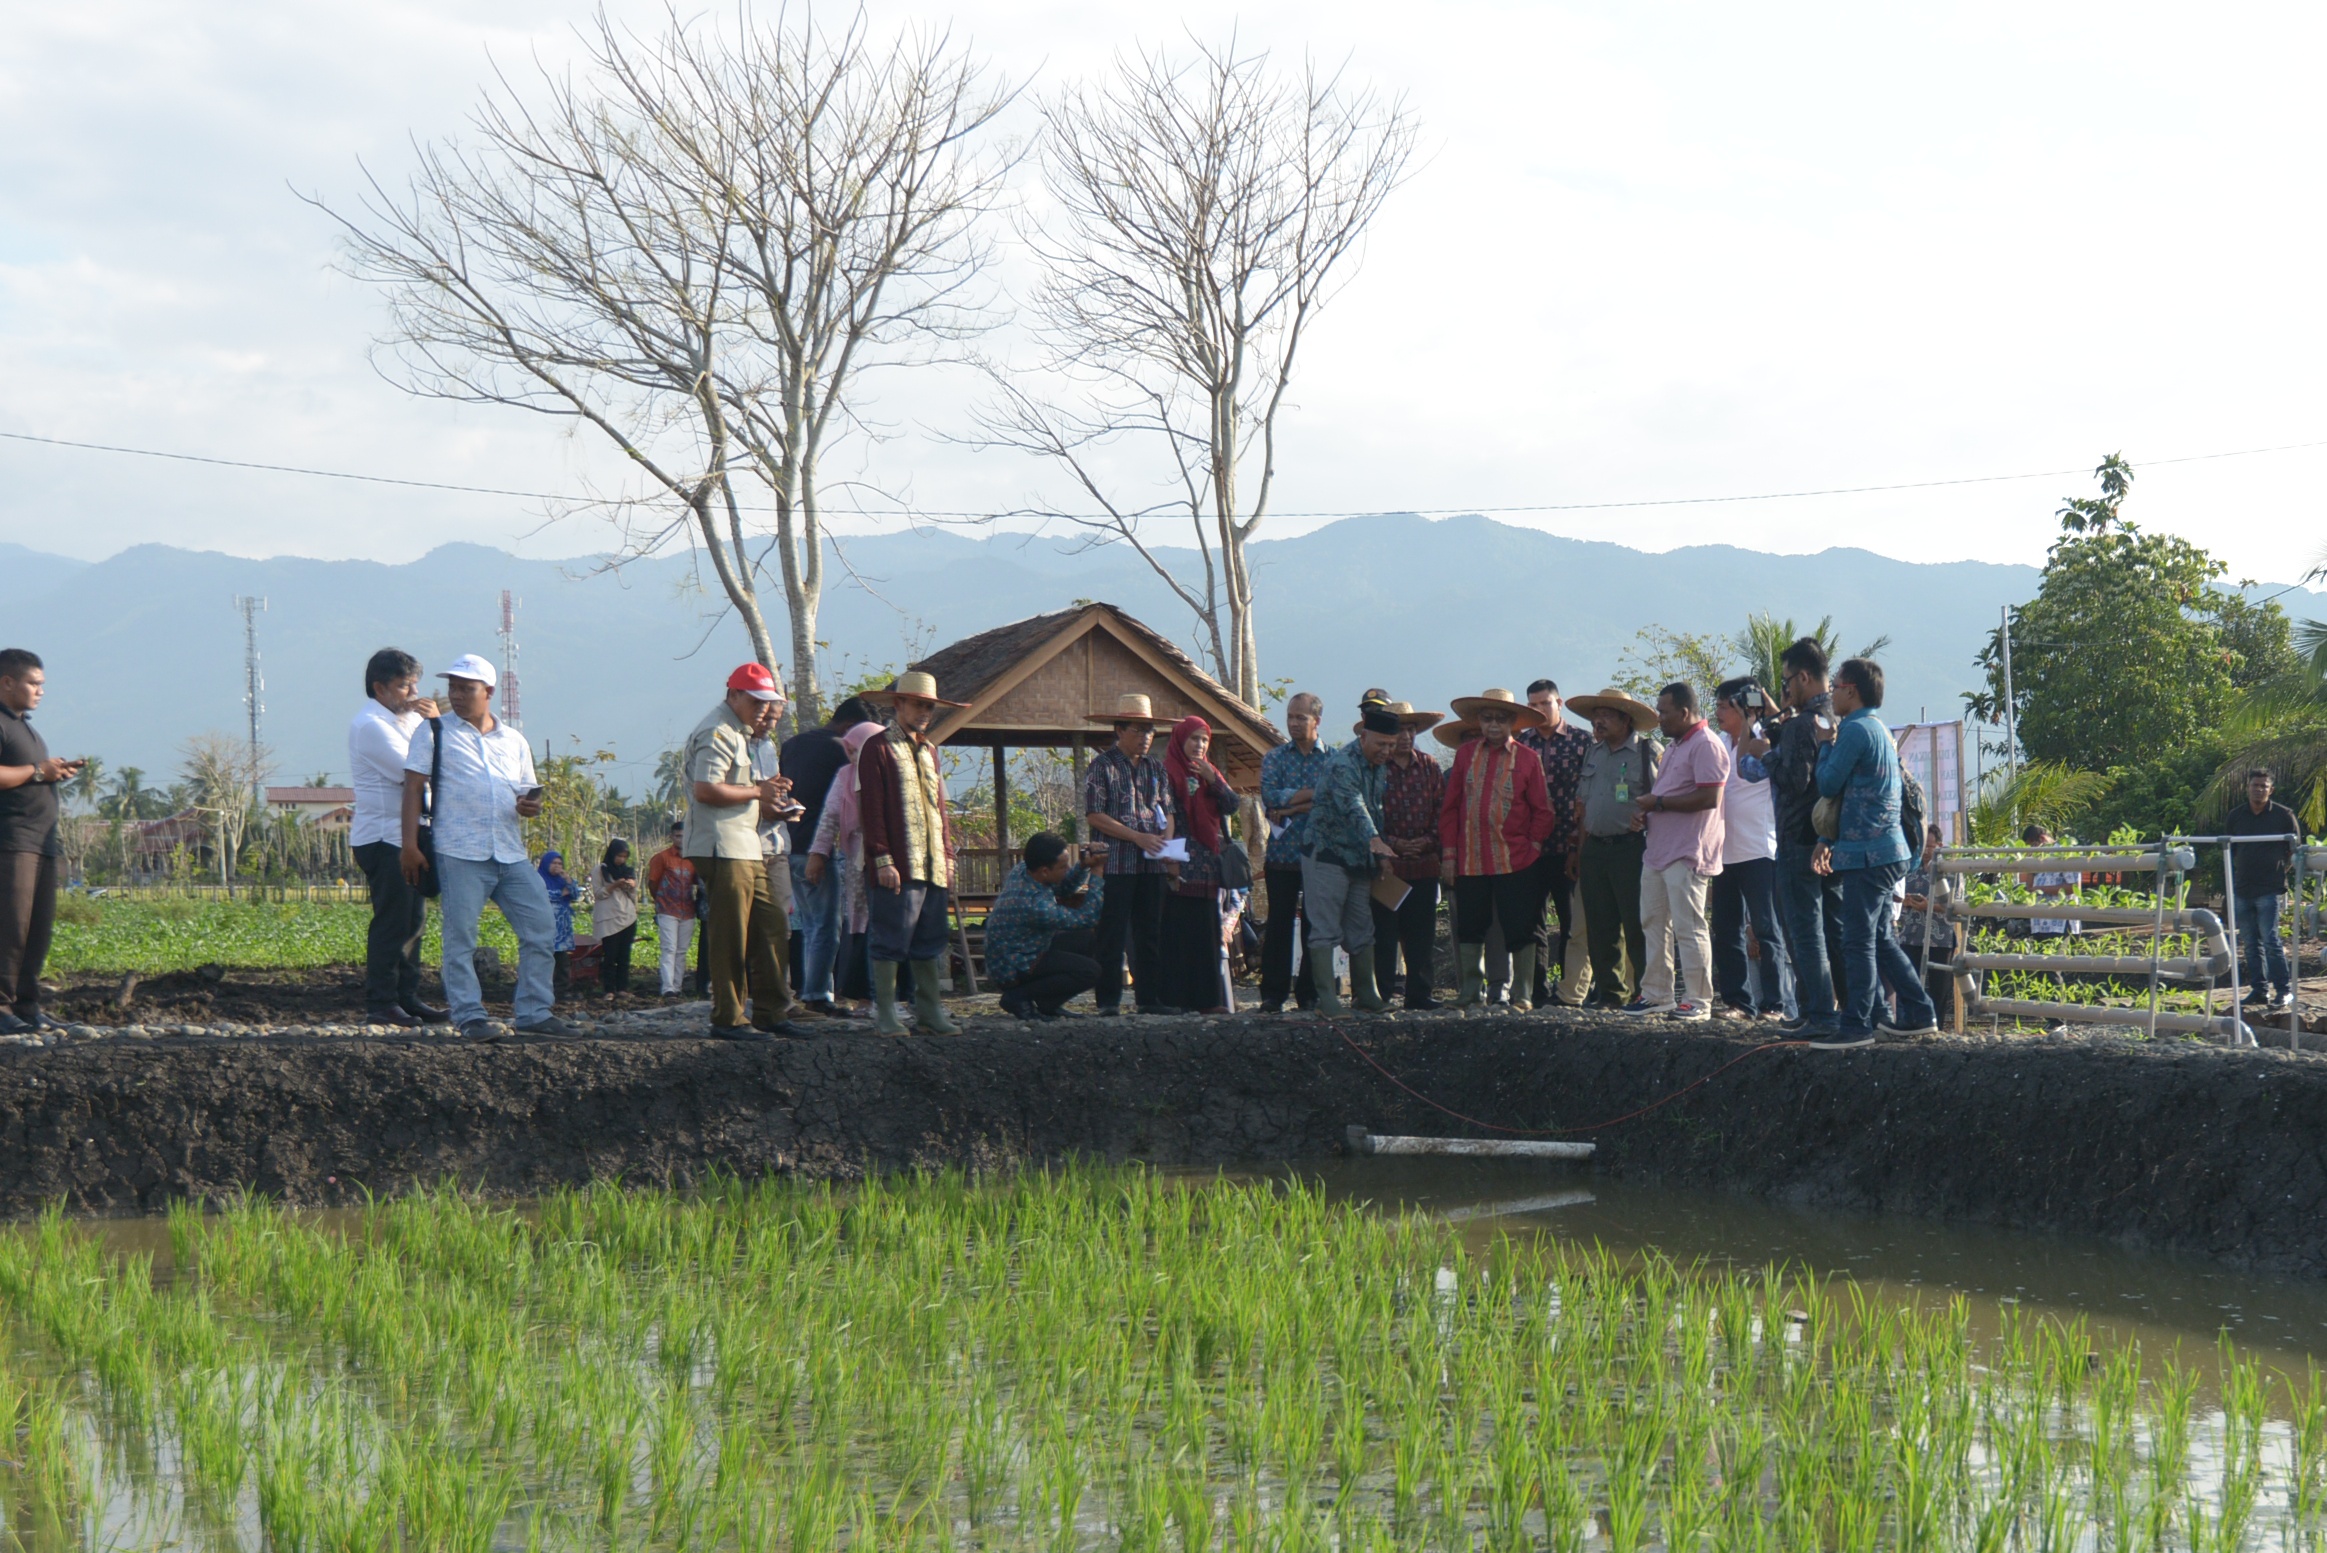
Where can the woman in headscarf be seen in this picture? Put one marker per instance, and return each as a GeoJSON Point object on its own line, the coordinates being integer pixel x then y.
{"type": "Point", "coordinates": [1195, 950]}
{"type": "Point", "coordinates": [840, 841]}
{"type": "Point", "coordinates": [614, 915]}
{"type": "Point", "coordinates": [562, 896]}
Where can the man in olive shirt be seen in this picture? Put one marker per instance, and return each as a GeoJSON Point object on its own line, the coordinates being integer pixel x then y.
{"type": "Point", "coordinates": [746, 934]}
{"type": "Point", "coordinates": [28, 843]}
{"type": "Point", "coordinates": [1620, 767]}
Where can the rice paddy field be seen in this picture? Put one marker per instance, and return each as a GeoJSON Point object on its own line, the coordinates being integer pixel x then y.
{"type": "Point", "coordinates": [155, 936]}
{"type": "Point", "coordinates": [1083, 1359]}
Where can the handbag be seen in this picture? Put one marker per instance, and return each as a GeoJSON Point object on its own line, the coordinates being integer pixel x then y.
{"type": "Point", "coordinates": [424, 839]}
{"type": "Point", "coordinates": [1826, 818]}
{"type": "Point", "coordinates": [1235, 867]}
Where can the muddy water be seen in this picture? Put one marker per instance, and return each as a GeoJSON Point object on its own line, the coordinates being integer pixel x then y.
{"type": "Point", "coordinates": [2157, 1300]}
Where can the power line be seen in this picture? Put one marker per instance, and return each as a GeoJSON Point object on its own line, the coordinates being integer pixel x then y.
{"type": "Point", "coordinates": [932, 512]}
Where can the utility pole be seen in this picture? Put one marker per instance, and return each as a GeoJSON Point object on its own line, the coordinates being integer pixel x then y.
{"type": "Point", "coordinates": [512, 711]}
{"type": "Point", "coordinates": [2011, 708]}
{"type": "Point", "coordinates": [254, 685]}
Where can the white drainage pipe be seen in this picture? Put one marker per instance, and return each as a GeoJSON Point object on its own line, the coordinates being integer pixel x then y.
{"type": "Point", "coordinates": [1364, 1142]}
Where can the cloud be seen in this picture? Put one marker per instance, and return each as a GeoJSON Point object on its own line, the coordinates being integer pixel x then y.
{"type": "Point", "coordinates": [1651, 252]}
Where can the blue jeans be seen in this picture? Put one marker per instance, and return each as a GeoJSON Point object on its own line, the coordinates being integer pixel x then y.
{"type": "Point", "coordinates": [816, 917]}
{"type": "Point", "coordinates": [1807, 899]}
{"type": "Point", "coordinates": [2261, 952]}
{"type": "Point", "coordinates": [523, 899]}
{"type": "Point", "coordinates": [1871, 956]}
{"type": "Point", "coordinates": [1742, 891]}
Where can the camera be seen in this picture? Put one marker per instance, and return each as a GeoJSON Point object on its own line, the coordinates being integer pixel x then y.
{"type": "Point", "coordinates": [1760, 713]}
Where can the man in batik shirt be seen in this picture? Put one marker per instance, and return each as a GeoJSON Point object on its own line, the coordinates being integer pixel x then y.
{"type": "Point", "coordinates": [1289, 775]}
{"type": "Point", "coordinates": [1127, 802]}
{"type": "Point", "coordinates": [1412, 786]}
{"type": "Point", "coordinates": [1561, 747]}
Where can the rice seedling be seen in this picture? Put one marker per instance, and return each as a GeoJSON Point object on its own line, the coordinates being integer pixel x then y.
{"type": "Point", "coordinates": [1057, 1362]}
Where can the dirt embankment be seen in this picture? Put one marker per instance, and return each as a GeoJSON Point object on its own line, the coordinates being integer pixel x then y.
{"type": "Point", "coordinates": [2171, 1145]}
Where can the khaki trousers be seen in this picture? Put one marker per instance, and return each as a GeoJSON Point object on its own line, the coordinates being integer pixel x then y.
{"type": "Point", "coordinates": [745, 939]}
{"type": "Point", "coordinates": [1672, 915]}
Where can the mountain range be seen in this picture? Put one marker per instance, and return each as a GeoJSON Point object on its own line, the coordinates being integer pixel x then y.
{"type": "Point", "coordinates": [145, 649]}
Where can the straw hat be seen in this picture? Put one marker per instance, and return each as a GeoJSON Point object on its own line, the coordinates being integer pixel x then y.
{"type": "Point", "coordinates": [1497, 700]}
{"type": "Point", "coordinates": [914, 685]}
{"type": "Point", "coordinates": [1455, 735]}
{"type": "Point", "coordinates": [1643, 715]}
{"type": "Point", "coordinates": [1132, 707]}
{"type": "Point", "coordinates": [1404, 711]}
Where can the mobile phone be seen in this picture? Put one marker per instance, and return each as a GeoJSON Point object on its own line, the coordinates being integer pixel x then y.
{"type": "Point", "coordinates": [531, 792]}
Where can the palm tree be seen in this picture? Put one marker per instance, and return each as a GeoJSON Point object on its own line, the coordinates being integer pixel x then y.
{"type": "Point", "coordinates": [2280, 726]}
{"type": "Point", "coordinates": [130, 798]}
{"type": "Point", "coordinates": [88, 784]}
{"type": "Point", "coordinates": [2043, 793]}
{"type": "Point", "coordinates": [1765, 639]}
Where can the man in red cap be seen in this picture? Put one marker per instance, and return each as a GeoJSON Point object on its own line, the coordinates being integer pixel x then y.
{"type": "Point", "coordinates": [745, 934]}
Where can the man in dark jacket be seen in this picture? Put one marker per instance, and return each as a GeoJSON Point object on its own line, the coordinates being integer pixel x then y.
{"type": "Point", "coordinates": [2259, 885]}
{"type": "Point", "coordinates": [809, 760]}
{"type": "Point", "coordinates": [29, 776]}
{"type": "Point", "coordinates": [1811, 901]}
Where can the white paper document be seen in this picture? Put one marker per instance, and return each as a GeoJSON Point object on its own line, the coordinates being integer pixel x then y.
{"type": "Point", "coordinates": [1174, 850]}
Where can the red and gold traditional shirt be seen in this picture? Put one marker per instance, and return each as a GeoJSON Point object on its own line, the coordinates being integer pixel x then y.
{"type": "Point", "coordinates": [1494, 818]}
{"type": "Point", "coordinates": [1410, 798]}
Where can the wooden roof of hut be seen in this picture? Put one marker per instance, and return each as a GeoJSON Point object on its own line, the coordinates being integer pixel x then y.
{"type": "Point", "coordinates": [1039, 682]}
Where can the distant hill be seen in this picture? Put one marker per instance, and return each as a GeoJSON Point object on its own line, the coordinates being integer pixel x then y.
{"type": "Point", "coordinates": [144, 649]}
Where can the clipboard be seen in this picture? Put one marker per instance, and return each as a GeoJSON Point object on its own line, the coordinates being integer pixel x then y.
{"type": "Point", "coordinates": [1390, 891]}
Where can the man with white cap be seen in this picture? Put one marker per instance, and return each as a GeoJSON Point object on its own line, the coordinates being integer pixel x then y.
{"type": "Point", "coordinates": [476, 777]}
{"type": "Point", "coordinates": [908, 854]}
{"type": "Point", "coordinates": [745, 935]}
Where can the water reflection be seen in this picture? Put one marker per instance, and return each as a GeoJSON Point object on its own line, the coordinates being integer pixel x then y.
{"type": "Point", "coordinates": [2156, 1299]}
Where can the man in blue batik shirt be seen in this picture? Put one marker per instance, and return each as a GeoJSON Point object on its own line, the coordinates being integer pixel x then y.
{"type": "Point", "coordinates": [1289, 775]}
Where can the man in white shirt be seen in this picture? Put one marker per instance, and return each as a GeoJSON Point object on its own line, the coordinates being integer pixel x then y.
{"type": "Point", "coordinates": [1746, 889]}
{"type": "Point", "coordinates": [377, 741]}
{"type": "Point", "coordinates": [485, 790]}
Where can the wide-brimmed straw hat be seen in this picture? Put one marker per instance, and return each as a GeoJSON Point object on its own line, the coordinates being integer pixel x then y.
{"type": "Point", "coordinates": [1456, 734]}
{"type": "Point", "coordinates": [913, 683]}
{"type": "Point", "coordinates": [1640, 713]}
{"type": "Point", "coordinates": [1403, 711]}
{"type": "Point", "coordinates": [1497, 700]}
{"type": "Point", "coordinates": [1132, 707]}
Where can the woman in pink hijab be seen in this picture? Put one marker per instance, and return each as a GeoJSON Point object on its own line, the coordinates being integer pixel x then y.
{"type": "Point", "coordinates": [840, 838]}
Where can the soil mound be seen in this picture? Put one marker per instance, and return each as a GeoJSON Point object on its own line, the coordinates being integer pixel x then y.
{"type": "Point", "coordinates": [2170, 1144]}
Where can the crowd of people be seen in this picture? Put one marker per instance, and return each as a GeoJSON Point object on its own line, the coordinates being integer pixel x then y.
{"type": "Point", "coordinates": [1764, 858]}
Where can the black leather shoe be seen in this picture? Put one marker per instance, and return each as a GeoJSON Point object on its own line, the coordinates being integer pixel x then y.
{"type": "Point", "coordinates": [11, 1025]}
{"type": "Point", "coordinates": [401, 1018]}
{"type": "Point", "coordinates": [481, 1030]}
{"type": "Point", "coordinates": [423, 1014]}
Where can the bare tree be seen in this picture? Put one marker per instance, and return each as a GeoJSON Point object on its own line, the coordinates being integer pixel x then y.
{"type": "Point", "coordinates": [225, 781]}
{"type": "Point", "coordinates": [1202, 209]}
{"type": "Point", "coordinates": [698, 249]}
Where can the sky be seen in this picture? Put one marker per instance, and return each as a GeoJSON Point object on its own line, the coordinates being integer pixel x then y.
{"type": "Point", "coordinates": [1645, 253]}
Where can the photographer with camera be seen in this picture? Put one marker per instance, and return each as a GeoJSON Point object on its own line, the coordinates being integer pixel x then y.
{"type": "Point", "coordinates": [1042, 932]}
{"type": "Point", "coordinates": [1810, 902]}
{"type": "Point", "coordinates": [1746, 889]}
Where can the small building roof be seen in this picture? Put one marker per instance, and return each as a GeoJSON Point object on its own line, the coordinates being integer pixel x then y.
{"type": "Point", "coordinates": [1038, 682]}
{"type": "Point", "coordinates": [304, 797]}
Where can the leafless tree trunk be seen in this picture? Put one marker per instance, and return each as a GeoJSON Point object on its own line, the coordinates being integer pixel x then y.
{"type": "Point", "coordinates": [699, 249]}
{"type": "Point", "coordinates": [226, 782]}
{"type": "Point", "coordinates": [1201, 210]}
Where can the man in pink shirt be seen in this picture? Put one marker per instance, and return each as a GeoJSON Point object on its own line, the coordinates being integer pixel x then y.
{"type": "Point", "coordinates": [1682, 815]}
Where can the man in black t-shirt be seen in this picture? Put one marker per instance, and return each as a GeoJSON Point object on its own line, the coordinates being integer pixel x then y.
{"type": "Point", "coordinates": [29, 776]}
{"type": "Point", "coordinates": [2259, 885]}
{"type": "Point", "coordinates": [811, 759]}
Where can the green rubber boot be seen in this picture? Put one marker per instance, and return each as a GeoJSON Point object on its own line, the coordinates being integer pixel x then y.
{"type": "Point", "coordinates": [928, 1005]}
{"type": "Point", "coordinates": [885, 1020]}
{"type": "Point", "coordinates": [1470, 969]}
{"type": "Point", "coordinates": [1362, 990]}
{"type": "Point", "coordinates": [1328, 995]}
{"type": "Point", "coordinates": [1523, 980]}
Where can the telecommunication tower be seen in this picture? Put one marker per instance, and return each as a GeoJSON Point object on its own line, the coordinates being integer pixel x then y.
{"type": "Point", "coordinates": [512, 711]}
{"type": "Point", "coordinates": [254, 684]}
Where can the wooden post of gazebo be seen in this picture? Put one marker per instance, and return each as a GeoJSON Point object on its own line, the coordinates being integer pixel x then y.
{"type": "Point", "coordinates": [1002, 804]}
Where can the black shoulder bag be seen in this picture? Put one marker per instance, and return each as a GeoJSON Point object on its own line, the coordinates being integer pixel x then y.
{"type": "Point", "coordinates": [425, 837]}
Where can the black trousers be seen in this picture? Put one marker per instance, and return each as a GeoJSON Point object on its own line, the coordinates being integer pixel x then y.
{"type": "Point", "coordinates": [1280, 976]}
{"type": "Point", "coordinates": [1195, 966]}
{"type": "Point", "coordinates": [614, 959]}
{"type": "Point", "coordinates": [1406, 941]}
{"type": "Point", "coordinates": [1131, 921]}
{"type": "Point", "coordinates": [1507, 899]}
{"type": "Point", "coordinates": [399, 919]}
{"type": "Point", "coordinates": [1064, 970]}
{"type": "Point", "coordinates": [28, 919]}
{"type": "Point", "coordinates": [1554, 895]}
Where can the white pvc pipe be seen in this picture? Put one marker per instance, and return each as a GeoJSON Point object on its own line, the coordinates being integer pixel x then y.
{"type": "Point", "coordinates": [2211, 967]}
{"type": "Point", "coordinates": [1365, 1142]}
{"type": "Point", "coordinates": [2104, 1014]}
{"type": "Point", "coordinates": [2176, 859]}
